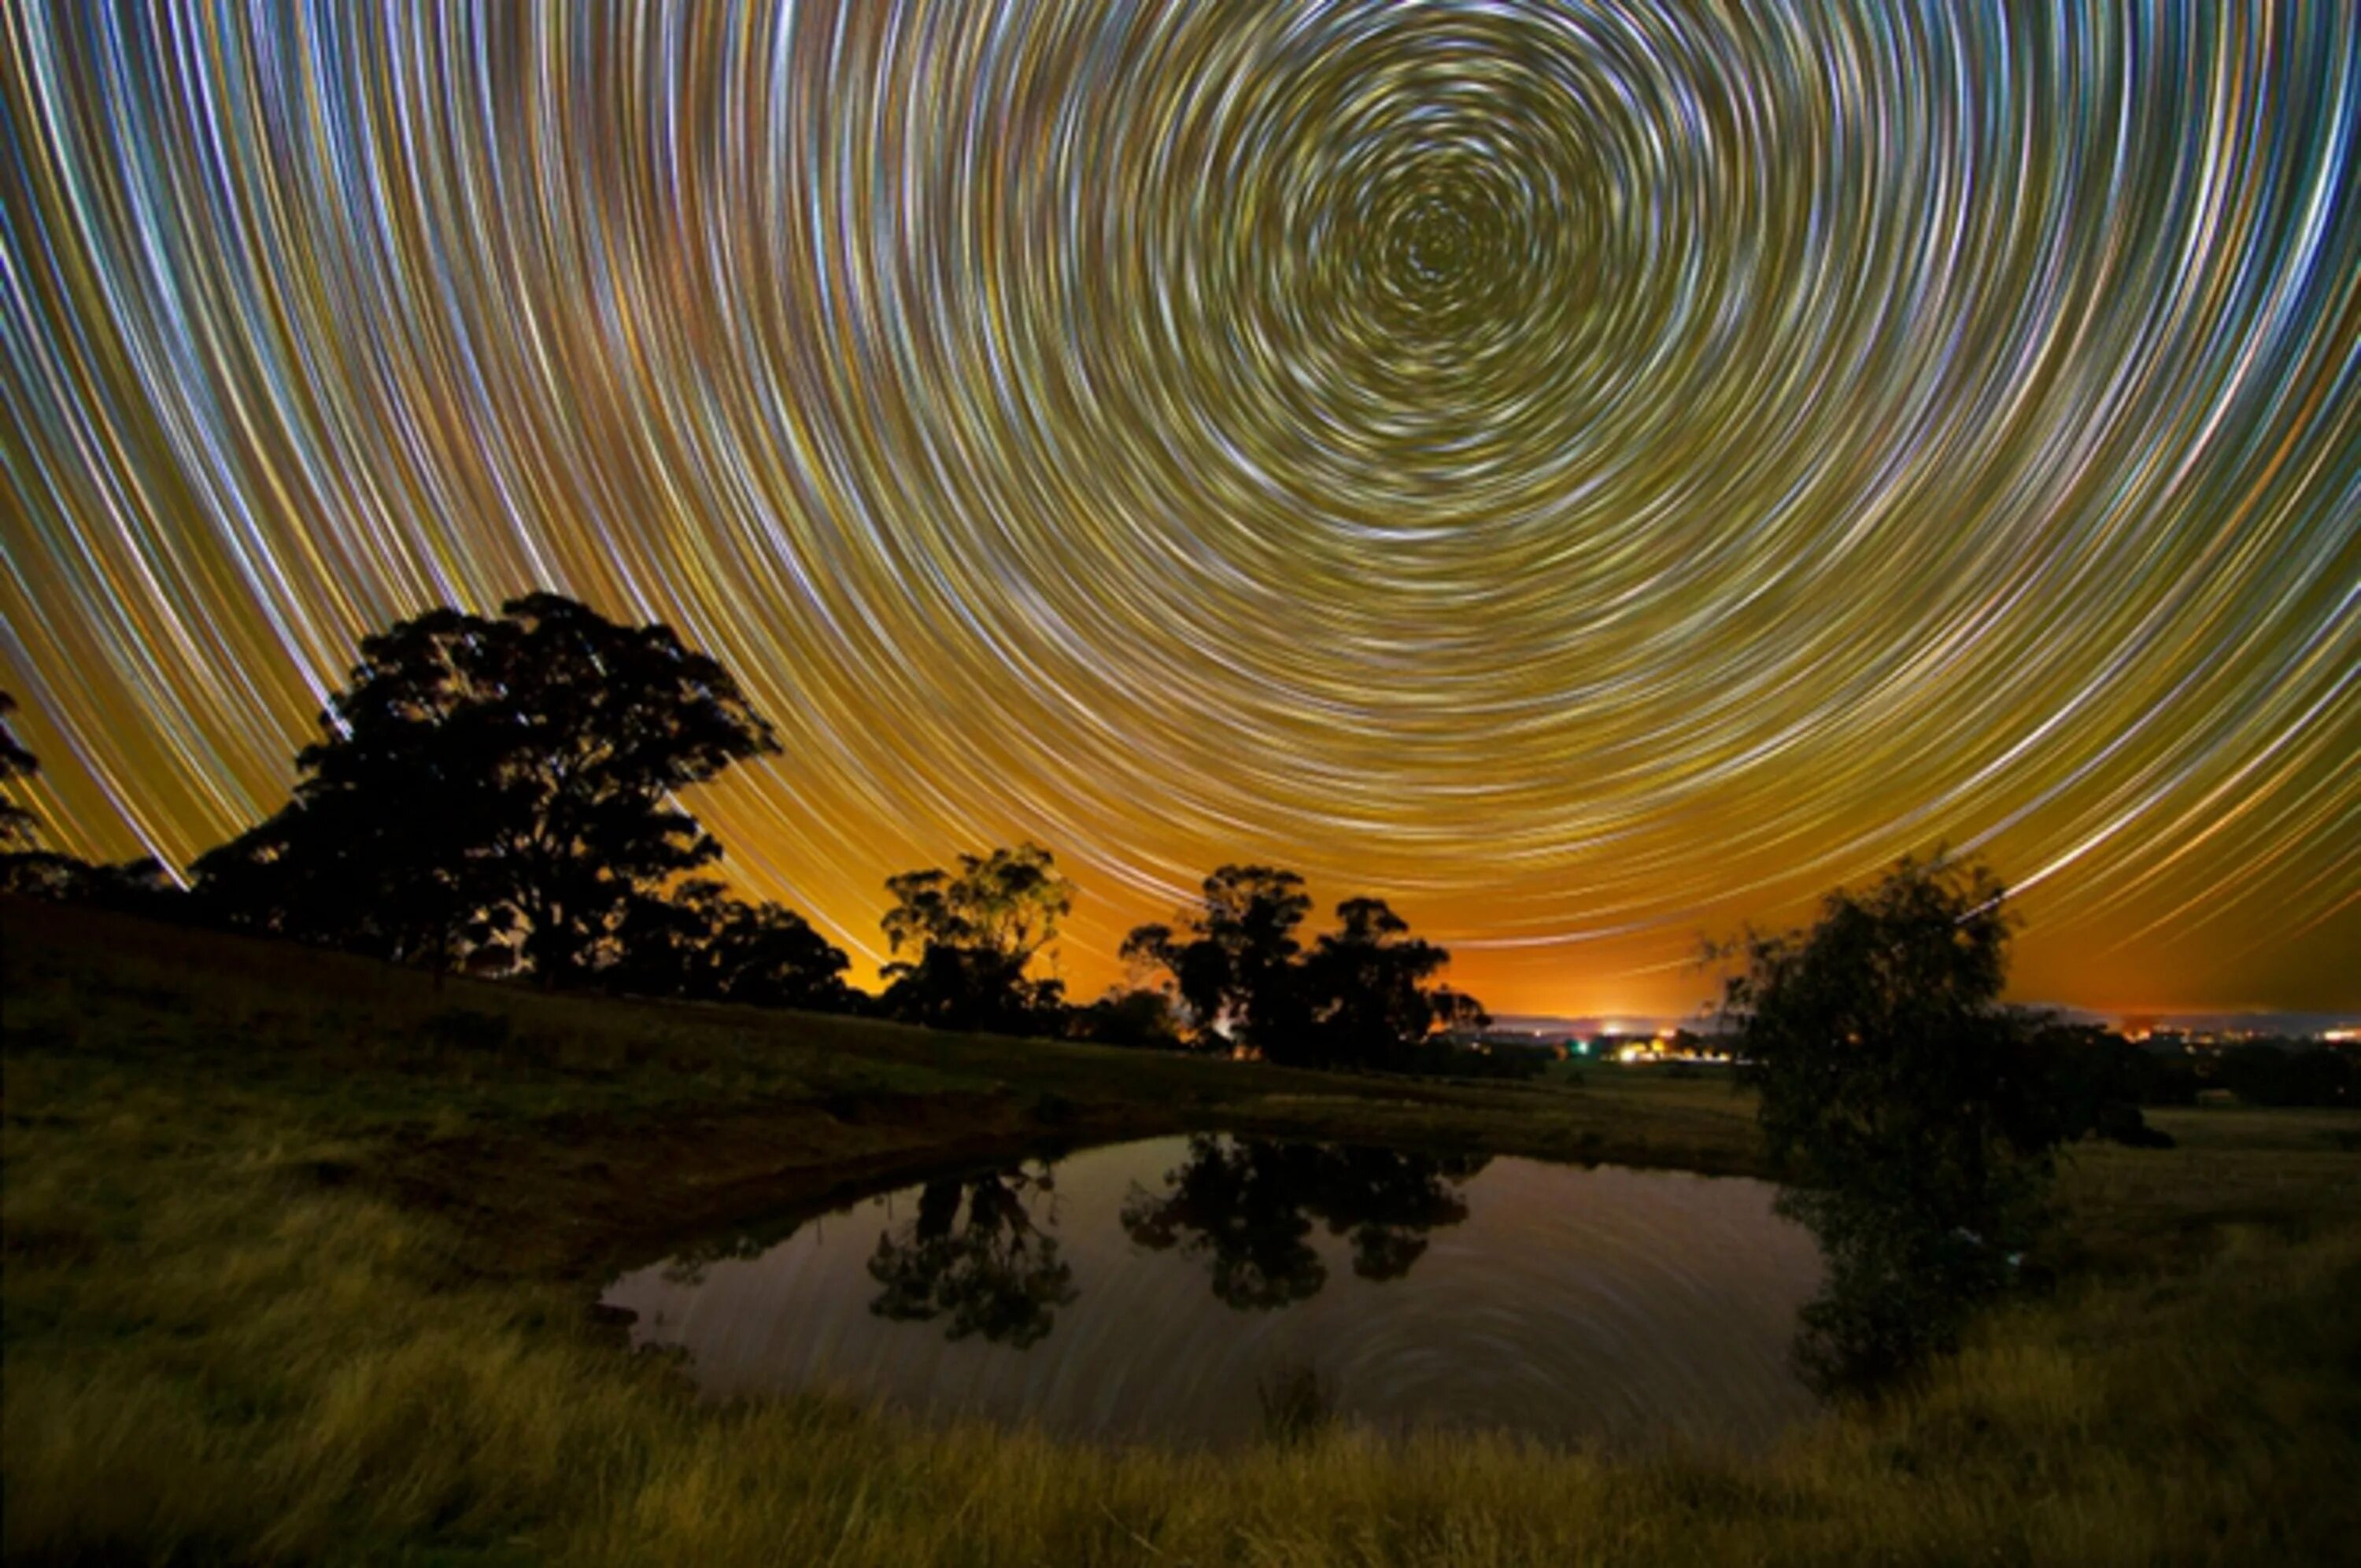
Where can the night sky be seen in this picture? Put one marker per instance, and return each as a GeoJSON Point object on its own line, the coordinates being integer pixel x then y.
{"type": "Point", "coordinates": [1595, 474]}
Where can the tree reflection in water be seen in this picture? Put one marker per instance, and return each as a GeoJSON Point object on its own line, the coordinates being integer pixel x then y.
{"type": "Point", "coordinates": [1248, 1207]}
{"type": "Point", "coordinates": [997, 1275]}
{"type": "Point", "coordinates": [1902, 1284]}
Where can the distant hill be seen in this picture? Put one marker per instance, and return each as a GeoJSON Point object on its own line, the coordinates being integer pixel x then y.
{"type": "Point", "coordinates": [2252, 1023]}
{"type": "Point", "coordinates": [1590, 1025]}
{"type": "Point", "coordinates": [2257, 1022]}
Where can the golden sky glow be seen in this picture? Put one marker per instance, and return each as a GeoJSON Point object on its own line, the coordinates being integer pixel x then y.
{"type": "Point", "coordinates": [1592, 475]}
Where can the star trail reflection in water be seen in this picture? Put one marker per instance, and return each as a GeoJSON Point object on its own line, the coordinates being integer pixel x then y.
{"type": "Point", "coordinates": [1178, 1290]}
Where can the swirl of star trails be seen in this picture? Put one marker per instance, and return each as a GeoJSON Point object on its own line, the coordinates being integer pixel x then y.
{"type": "Point", "coordinates": [1586, 471]}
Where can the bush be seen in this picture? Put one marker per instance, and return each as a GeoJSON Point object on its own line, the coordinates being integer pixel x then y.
{"type": "Point", "coordinates": [1916, 1114]}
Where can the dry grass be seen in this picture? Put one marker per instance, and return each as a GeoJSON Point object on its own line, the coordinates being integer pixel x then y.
{"type": "Point", "coordinates": [237, 1330]}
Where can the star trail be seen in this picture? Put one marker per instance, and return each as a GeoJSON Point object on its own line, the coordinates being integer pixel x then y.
{"type": "Point", "coordinates": [1595, 474]}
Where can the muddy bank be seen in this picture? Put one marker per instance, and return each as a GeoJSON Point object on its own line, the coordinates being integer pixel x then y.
{"type": "Point", "coordinates": [559, 1135]}
{"type": "Point", "coordinates": [573, 1197]}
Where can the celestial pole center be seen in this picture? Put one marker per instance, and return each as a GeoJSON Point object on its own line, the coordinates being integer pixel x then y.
{"type": "Point", "coordinates": [1594, 475]}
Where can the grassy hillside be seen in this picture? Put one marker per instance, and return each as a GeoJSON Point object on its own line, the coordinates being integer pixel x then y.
{"type": "Point", "coordinates": [560, 1131]}
{"type": "Point", "coordinates": [300, 1255]}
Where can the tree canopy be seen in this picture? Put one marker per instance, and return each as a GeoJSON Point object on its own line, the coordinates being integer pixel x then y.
{"type": "Point", "coordinates": [698, 943]}
{"type": "Point", "coordinates": [972, 936]}
{"type": "Point", "coordinates": [139, 887]}
{"type": "Point", "coordinates": [1363, 995]}
{"type": "Point", "coordinates": [483, 776]}
{"type": "Point", "coordinates": [1912, 1110]}
{"type": "Point", "coordinates": [1231, 956]}
{"type": "Point", "coordinates": [1371, 1000]}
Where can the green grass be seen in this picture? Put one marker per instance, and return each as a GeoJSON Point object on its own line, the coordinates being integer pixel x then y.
{"type": "Point", "coordinates": [300, 1255]}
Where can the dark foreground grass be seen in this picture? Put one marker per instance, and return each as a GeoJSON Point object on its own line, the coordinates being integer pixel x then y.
{"type": "Point", "coordinates": [300, 1255]}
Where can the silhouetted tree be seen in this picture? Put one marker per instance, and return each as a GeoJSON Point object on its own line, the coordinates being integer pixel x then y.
{"type": "Point", "coordinates": [1362, 997]}
{"type": "Point", "coordinates": [767, 955]}
{"type": "Point", "coordinates": [1233, 957]}
{"type": "Point", "coordinates": [1460, 1012]}
{"type": "Point", "coordinates": [698, 943]}
{"type": "Point", "coordinates": [997, 1275]}
{"type": "Point", "coordinates": [134, 887]}
{"type": "Point", "coordinates": [973, 936]}
{"type": "Point", "coordinates": [357, 866]}
{"type": "Point", "coordinates": [2287, 1072]}
{"type": "Point", "coordinates": [1128, 1017]}
{"type": "Point", "coordinates": [1368, 985]}
{"type": "Point", "coordinates": [480, 776]}
{"type": "Point", "coordinates": [663, 942]}
{"type": "Point", "coordinates": [1910, 1107]}
{"type": "Point", "coordinates": [2097, 1083]}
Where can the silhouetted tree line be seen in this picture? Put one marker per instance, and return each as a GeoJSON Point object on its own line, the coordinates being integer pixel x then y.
{"type": "Point", "coordinates": [2286, 1073]}
{"type": "Point", "coordinates": [1363, 994]}
{"type": "Point", "coordinates": [2103, 1072]}
{"type": "Point", "coordinates": [502, 794]}
{"type": "Point", "coordinates": [138, 887]}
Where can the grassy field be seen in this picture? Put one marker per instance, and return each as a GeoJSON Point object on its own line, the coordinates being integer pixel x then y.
{"type": "Point", "coordinates": [300, 1252]}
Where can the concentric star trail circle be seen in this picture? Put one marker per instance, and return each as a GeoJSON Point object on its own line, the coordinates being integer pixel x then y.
{"type": "Point", "coordinates": [1593, 473]}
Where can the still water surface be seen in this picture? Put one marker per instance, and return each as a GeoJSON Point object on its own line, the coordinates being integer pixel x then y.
{"type": "Point", "coordinates": [1168, 1290]}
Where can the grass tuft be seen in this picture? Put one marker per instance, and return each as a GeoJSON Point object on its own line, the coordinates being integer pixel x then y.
{"type": "Point", "coordinates": [278, 1288]}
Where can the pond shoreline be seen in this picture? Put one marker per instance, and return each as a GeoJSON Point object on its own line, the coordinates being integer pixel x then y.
{"type": "Point", "coordinates": [1157, 1291]}
{"type": "Point", "coordinates": [279, 1221]}
{"type": "Point", "coordinates": [584, 1129]}
{"type": "Point", "coordinates": [796, 1194]}
{"type": "Point", "coordinates": [606, 1193]}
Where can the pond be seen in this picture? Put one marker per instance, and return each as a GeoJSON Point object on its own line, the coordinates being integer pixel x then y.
{"type": "Point", "coordinates": [1212, 1290]}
